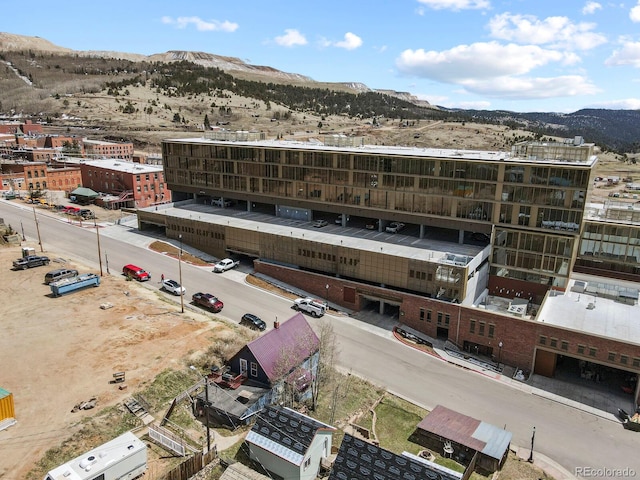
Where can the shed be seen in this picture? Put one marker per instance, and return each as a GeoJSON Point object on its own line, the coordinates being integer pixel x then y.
{"type": "Point", "coordinates": [84, 195]}
{"type": "Point", "coordinates": [466, 436]}
{"type": "Point", "coordinates": [7, 409]}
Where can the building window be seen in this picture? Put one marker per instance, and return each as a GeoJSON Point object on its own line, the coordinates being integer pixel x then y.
{"type": "Point", "coordinates": [492, 330]}
{"type": "Point", "coordinates": [254, 369]}
{"type": "Point", "coordinates": [612, 356]}
{"type": "Point", "coordinates": [439, 318]}
{"type": "Point", "coordinates": [564, 345]}
{"type": "Point", "coordinates": [447, 319]}
{"type": "Point", "coordinates": [592, 351]}
{"type": "Point", "coordinates": [422, 314]}
{"type": "Point", "coordinates": [636, 362]}
{"type": "Point", "coordinates": [554, 343]}
{"type": "Point", "coordinates": [472, 326]}
{"type": "Point", "coordinates": [624, 359]}
{"type": "Point", "coordinates": [481, 329]}
{"type": "Point", "coordinates": [542, 340]}
{"type": "Point", "coordinates": [429, 316]}
{"type": "Point", "coordinates": [307, 463]}
{"type": "Point", "coordinates": [581, 349]}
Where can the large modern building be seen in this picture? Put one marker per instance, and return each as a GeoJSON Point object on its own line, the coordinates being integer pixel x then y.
{"type": "Point", "coordinates": [487, 237]}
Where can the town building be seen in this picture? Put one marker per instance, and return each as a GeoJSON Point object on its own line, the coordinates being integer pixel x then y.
{"type": "Point", "coordinates": [485, 238]}
{"type": "Point", "coordinates": [102, 149]}
{"type": "Point", "coordinates": [128, 184]}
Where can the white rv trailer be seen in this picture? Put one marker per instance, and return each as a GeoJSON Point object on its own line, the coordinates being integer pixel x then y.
{"type": "Point", "coordinates": [123, 458]}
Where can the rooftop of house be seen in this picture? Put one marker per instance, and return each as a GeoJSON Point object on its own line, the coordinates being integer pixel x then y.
{"type": "Point", "coordinates": [285, 433]}
{"type": "Point", "coordinates": [359, 460]}
{"type": "Point", "coordinates": [285, 347]}
{"type": "Point", "coordinates": [467, 431]}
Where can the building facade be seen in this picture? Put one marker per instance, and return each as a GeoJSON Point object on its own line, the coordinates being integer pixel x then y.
{"type": "Point", "coordinates": [135, 185]}
{"type": "Point", "coordinates": [534, 195]}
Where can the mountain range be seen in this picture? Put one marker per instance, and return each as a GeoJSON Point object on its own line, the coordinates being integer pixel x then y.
{"type": "Point", "coordinates": [614, 130]}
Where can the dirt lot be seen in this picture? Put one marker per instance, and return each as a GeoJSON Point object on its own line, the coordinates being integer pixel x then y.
{"type": "Point", "coordinates": [57, 352]}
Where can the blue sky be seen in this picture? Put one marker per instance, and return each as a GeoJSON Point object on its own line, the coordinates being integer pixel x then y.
{"type": "Point", "coordinates": [520, 55]}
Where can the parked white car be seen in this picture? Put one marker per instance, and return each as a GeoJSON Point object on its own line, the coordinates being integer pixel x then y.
{"type": "Point", "coordinates": [225, 264]}
{"type": "Point", "coordinates": [394, 227]}
{"type": "Point", "coordinates": [174, 287]}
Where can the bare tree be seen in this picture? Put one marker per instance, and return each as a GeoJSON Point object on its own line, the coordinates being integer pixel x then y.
{"type": "Point", "coordinates": [328, 355]}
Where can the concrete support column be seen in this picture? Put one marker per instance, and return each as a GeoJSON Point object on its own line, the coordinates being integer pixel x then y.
{"type": "Point", "coordinates": [249, 206]}
{"type": "Point", "coordinates": [421, 231]}
{"type": "Point", "coordinates": [381, 312]}
{"type": "Point", "coordinates": [461, 236]}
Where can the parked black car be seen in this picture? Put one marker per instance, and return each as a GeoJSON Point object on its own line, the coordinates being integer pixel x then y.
{"type": "Point", "coordinates": [252, 321]}
{"type": "Point", "coordinates": [30, 261]}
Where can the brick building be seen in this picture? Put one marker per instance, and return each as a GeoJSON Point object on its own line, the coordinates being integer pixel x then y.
{"type": "Point", "coordinates": [132, 185]}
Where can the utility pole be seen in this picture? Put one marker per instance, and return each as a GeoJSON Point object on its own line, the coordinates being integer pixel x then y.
{"type": "Point", "coordinates": [206, 403]}
{"type": "Point", "coordinates": [99, 250]}
{"type": "Point", "coordinates": [35, 217]}
{"type": "Point", "coordinates": [533, 437]}
{"type": "Point", "coordinates": [180, 275]}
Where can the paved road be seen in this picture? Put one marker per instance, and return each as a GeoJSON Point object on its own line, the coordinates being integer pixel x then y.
{"type": "Point", "coordinates": [570, 436]}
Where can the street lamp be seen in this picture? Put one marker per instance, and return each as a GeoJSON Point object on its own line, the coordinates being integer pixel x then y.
{"type": "Point", "coordinates": [206, 403]}
{"type": "Point", "coordinates": [180, 275]}
{"type": "Point", "coordinates": [22, 228]}
{"type": "Point", "coordinates": [499, 354]}
{"type": "Point", "coordinates": [533, 437]}
{"type": "Point", "coordinates": [327, 295]}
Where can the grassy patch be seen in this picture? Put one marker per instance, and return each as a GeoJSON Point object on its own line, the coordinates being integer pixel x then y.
{"type": "Point", "coordinates": [396, 420]}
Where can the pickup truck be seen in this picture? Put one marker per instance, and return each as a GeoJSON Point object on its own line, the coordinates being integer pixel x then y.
{"type": "Point", "coordinates": [30, 261]}
{"type": "Point", "coordinates": [225, 264]}
{"type": "Point", "coordinates": [315, 308]}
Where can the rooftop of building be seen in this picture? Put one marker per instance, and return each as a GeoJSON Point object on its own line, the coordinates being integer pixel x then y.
{"type": "Point", "coordinates": [541, 152]}
{"type": "Point", "coordinates": [597, 306]}
{"type": "Point", "coordinates": [124, 166]}
{"type": "Point", "coordinates": [437, 246]}
{"type": "Point", "coordinates": [102, 142]}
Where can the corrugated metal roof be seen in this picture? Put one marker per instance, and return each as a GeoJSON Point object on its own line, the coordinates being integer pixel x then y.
{"type": "Point", "coordinates": [283, 348]}
{"type": "Point", "coordinates": [4, 393]}
{"type": "Point", "coordinates": [464, 430]}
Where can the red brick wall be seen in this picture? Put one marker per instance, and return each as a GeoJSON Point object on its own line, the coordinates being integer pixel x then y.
{"type": "Point", "coordinates": [520, 337]}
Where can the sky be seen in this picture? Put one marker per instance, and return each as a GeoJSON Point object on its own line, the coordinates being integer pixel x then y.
{"type": "Point", "coordinates": [517, 55]}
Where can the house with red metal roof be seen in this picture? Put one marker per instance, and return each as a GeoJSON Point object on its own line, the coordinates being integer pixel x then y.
{"type": "Point", "coordinates": [278, 366]}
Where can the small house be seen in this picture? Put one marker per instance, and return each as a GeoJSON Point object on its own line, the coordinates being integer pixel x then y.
{"type": "Point", "coordinates": [280, 364]}
{"type": "Point", "coordinates": [289, 444]}
{"type": "Point", "coordinates": [464, 438]}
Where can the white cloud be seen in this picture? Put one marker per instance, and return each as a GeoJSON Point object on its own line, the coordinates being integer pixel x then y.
{"type": "Point", "coordinates": [590, 8]}
{"type": "Point", "coordinates": [622, 104]}
{"type": "Point", "coordinates": [629, 54]}
{"type": "Point", "coordinates": [201, 25]}
{"type": "Point", "coordinates": [456, 5]}
{"type": "Point", "coordinates": [532, 88]}
{"type": "Point", "coordinates": [559, 32]}
{"type": "Point", "coordinates": [351, 42]}
{"type": "Point", "coordinates": [478, 61]}
{"type": "Point", "coordinates": [291, 38]}
{"type": "Point", "coordinates": [634, 13]}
